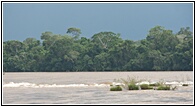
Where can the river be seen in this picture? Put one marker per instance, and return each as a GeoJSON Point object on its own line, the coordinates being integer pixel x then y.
{"type": "Point", "coordinates": [65, 88]}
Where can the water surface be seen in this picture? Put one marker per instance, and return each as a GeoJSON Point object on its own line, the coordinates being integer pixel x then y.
{"type": "Point", "coordinates": [91, 88]}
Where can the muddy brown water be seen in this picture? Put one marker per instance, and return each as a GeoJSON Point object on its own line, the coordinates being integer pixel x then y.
{"type": "Point", "coordinates": [58, 88]}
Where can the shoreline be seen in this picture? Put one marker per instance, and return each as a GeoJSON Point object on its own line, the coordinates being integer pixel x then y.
{"type": "Point", "coordinates": [87, 71]}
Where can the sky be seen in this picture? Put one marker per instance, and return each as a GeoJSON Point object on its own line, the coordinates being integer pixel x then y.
{"type": "Point", "coordinates": [131, 20]}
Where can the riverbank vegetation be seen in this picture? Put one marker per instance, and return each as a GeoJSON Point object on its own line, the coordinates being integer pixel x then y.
{"type": "Point", "coordinates": [135, 84]}
{"type": "Point", "coordinates": [115, 88]}
{"type": "Point", "coordinates": [161, 50]}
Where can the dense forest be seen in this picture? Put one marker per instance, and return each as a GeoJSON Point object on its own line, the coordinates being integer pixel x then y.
{"type": "Point", "coordinates": [105, 51]}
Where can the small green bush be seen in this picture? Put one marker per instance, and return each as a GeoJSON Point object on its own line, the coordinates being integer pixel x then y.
{"type": "Point", "coordinates": [163, 88]}
{"type": "Point", "coordinates": [133, 87]}
{"type": "Point", "coordinates": [116, 88]}
{"type": "Point", "coordinates": [145, 86]}
{"type": "Point", "coordinates": [185, 85]}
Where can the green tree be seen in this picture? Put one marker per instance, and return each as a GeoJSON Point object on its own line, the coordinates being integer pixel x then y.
{"type": "Point", "coordinates": [75, 32]}
{"type": "Point", "coordinates": [106, 39]}
{"type": "Point", "coordinates": [104, 51]}
{"type": "Point", "coordinates": [162, 40]}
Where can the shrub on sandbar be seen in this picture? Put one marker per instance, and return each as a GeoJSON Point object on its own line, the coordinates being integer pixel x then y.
{"type": "Point", "coordinates": [133, 87]}
{"type": "Point", "coordinates": [145, 87]}
{"type": "Point", "coordinates": [115, 88]}
{"type": "Point", "coordinates": [185, 85]}
{"type": "Point", "coordinates": [163, 88]}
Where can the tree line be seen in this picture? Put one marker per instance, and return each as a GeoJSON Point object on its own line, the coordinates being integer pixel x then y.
{"type": "Point", "coordinates": [161, 50]}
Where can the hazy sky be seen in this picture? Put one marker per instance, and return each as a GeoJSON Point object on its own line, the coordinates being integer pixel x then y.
{"type": "Point", "coordinates": [131, 20]}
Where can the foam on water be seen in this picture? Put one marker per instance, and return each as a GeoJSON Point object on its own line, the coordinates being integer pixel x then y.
{"type": "Point", "coordinates": [167, 83]}
{"type": "Point", "coordinates": [33, 85]}
{"type": "Point", "coordinates": [179, 83]}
